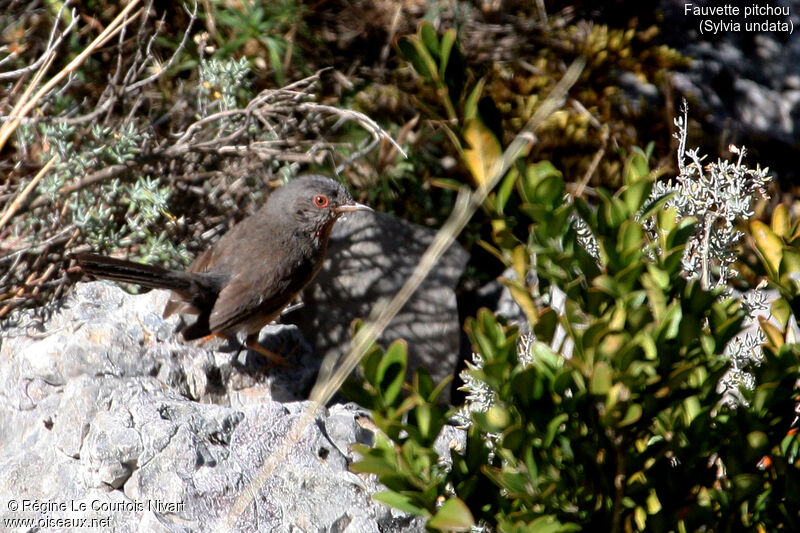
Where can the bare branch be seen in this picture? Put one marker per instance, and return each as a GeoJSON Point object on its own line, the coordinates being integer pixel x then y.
{"type": "Point", "coordinates": [52, 44]}
{"type": "Point", "coordinates": [164, 68]}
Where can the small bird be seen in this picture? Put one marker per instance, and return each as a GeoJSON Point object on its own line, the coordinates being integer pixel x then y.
{"type": "Point", "coordinates": [243, 281]}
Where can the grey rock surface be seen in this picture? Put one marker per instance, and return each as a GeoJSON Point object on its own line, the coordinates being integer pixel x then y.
{"type": "Point", "coordinates": [106, 416]}
{"type": "Point", "coordinates": [371, 255]}
{"type": "Point", "coordinates": [744, 82]}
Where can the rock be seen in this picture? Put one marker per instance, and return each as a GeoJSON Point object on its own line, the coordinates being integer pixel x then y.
{"type": "Point", "coordinates": [371, 255]}
{"type": "Point", "coordinates": [105, 415]}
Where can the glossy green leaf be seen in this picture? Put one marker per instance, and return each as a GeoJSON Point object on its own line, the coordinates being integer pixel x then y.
{"type": "Point", "coordinates": [546, 325]}
{"type": "Point", "coordinates": [781, 223]}
{"type": "Point", "coordinates": [413, 50]}
{"type": "Point", "coordinates": [505, 189]}
{"type": "Point", "coordinates": [471, 102]}
{"type": "Point", "coordinates": [781, 311]}
{"type": "Point", "coordinates": [632, 415]}
{"type": "Point", "coordinates": [453, 515]}
{"type": "Point", "coordinates": [635, 195]}
{"type": "Point", "coordinates": [401, 501]}
{"type": "Point", "coordinates": [768, 245]}
{"type": "Point", "coordinates": [391, 371]}
{"type": "Point", "coordinates": [635, 172]}
{"type": "Point", "coordinates": [553, 427]}
{"type": "Point", "coordinates": [601, 379]}
{"type": "Point", "coordinates": [549, 191]}
{"type": "Point", "coordinates": [427, 35]}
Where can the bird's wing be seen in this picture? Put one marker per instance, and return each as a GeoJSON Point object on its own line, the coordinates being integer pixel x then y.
{"type": "Point", "coordinates": [202, 261]}
{"type": "Point", "coordinates": [250, 302]}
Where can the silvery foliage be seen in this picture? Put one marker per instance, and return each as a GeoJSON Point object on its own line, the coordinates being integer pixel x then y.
{"type": "Point", "coordinates": [585, 236]}
{"type": "Point", "coordinates": [136, 208]}
{"type": "Point", "coordinates": [220, 82]}
{"type": "Point", "coordinates": [479, 396]}
{"type": "Point", "coordinates": [719, 196]}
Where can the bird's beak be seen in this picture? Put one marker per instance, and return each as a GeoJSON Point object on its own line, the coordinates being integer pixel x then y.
{"type": "Point", "coordinates": [346, 208]}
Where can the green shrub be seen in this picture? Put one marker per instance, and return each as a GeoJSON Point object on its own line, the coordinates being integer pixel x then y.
{"type": "Point", "coordinates": [629, 433]}
{"type": "Point", "coordinates": [610, 412]}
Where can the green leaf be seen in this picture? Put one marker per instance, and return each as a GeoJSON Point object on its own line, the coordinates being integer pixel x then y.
{"type": "Point", "coordinates": [635, 172]}
{"type": "Point", "coordinates": [546, 323]}
{"type": "Point", "coordinates": [497, 418]}
{"type": "Point", "coordinates": [636, 194]}
{"type": "Point", "coordinates": [483, 152]}
{"type": "Point", "coordinates": [447, 43]}
{"type": "Point", "coordinates": [632, 415]}
{"type": "Point", "coordinates": [550, 524]}
{"type": "Point", "coordinates": [601, 379]}
{"type": "Point", "coordinates": [680, 234]}
{"type": "Point", "coordinates": [790, 261]}
{"type": "Point", "coordinates": [746, 485]}
{"type": "Point", "coordinates": [781, 311]}
{"type": "Point", "coordinates": [610, 213]}
{"type": "Point", "coordinates": [427, 34]}
{"type": "Point", "coordinates": [391, 371]}
{"type": "Point", "coordinates": [553, 427]}
{"type": "Point", "coordinates": [549, 191]}
{"type": "Point", "coordinates": [781, 223]}
{"type": "Point", "coordinates": [401, 501]}
{"type": "Point", "coordinates": [423, 382]}
{"type": "Point", "coordinates": [414, 51]}
{"type": "Point", "coordinates": [769, 247]}
{"type": "Point", "coordinates": [659, 276]}
{"type": "Point", "coordinates": [374, 465]}
{"type": "Point", "coordinates": [608, 285]}
{"type": "Point", "coordinates": [535, 174]}
{"type": "Point", "coordinates": [652, 205]}
{"type": "Point", "coordinates": [471, 103]}
{"type": "Point", "coordinates": [453, 515]}
{"type": "Point", "coordinates": [452, 65]}
{"type": "Point", "coordinates": [773, 334]}
{"type": "Point", "coordinates": [506, 188]}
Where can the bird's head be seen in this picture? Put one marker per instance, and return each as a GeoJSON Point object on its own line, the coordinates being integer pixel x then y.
{"type": "Point", "coordinates": [314, 203]}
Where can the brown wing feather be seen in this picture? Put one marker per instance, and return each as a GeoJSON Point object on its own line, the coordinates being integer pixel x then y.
{"type": "Point", "coordinates": [201, 264]}
{"type": "Point", "coordinates": [249, 304]}
{"type": "Point", "coordinates": [252, 299]}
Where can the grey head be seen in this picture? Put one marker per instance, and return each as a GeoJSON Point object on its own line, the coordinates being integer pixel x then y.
{"type": "Point", "coordinates": [312, 203]}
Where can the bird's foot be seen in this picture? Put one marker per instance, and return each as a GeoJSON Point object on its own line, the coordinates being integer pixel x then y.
{"type": "Point", "coordinates": [276, 360]}
{"type": "Point", "coordinates": [207, 338]}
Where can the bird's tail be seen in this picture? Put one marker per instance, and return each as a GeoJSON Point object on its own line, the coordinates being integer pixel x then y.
{"type": "Point", "coordinates": [154, 277]}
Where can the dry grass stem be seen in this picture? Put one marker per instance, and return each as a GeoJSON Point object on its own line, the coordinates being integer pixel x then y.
{"type": "Point", "coordinates": [12, 208]}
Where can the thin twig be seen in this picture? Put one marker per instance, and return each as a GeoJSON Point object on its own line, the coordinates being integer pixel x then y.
{"type": "Point", "coordinates": [366, 122]}
{"type": "Point", "coordinates": [164, 68]}
{"type": "Point", "coordinates": [52, 45]}
{"type": "Point", "coordinates": [598, 156]}
{"type": "Point", "coordinates": [12, 208]}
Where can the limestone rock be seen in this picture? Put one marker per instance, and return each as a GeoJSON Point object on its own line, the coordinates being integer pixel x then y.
{"type": "Point", "coordinates": [105, 415]}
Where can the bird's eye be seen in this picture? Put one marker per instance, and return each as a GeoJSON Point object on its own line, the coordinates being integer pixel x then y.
{"type": "Point", "coordinates": [321, 200]}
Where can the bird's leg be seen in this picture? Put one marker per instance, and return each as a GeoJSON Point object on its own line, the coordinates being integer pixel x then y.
{"type": "Point", "coordinates": [252, 344]}
{"type": "Point", "coordinates": [275, 359]}
{"type": "Point", "coordinates": [203, 340]}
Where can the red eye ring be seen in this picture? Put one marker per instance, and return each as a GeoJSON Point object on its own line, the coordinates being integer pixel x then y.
{"type": "Point", "coordinates": [321, 200]}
